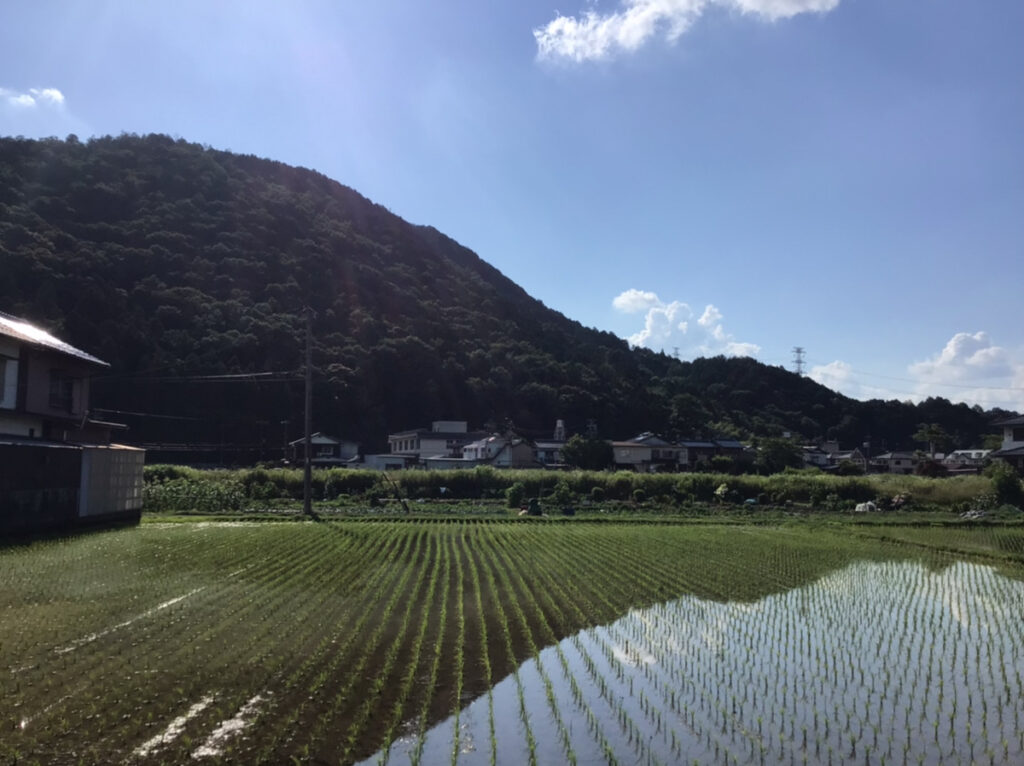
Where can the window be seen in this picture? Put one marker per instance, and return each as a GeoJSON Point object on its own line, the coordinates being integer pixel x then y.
{"type": "Point", "coordinates": [62, 387]}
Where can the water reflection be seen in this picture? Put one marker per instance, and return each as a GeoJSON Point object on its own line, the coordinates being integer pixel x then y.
{"type": "Point", "coordinates": [874, 663]}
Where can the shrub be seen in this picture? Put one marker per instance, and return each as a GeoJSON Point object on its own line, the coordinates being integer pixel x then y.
{"type": "Point", "coordinates": [597, 494]}
{"type": "Point", "coordinates": [561, 495]}
{"type": "Point", "coordinates": [1005, 483]}
{"type": "Point", "coordinates": [515, 495]}
{"type": "Point", "coordinates": [639, 495]}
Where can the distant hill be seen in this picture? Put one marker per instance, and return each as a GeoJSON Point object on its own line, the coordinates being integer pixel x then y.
{"type": "Point", "coordinates": [173, 261]}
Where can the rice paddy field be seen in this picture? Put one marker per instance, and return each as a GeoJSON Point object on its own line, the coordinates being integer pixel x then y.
{"type": "Point", "coordinates": [506, 642]}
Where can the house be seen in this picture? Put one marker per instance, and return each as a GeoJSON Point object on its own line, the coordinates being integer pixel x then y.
{"type": "Point", "coordinates": [494, 450]}
{"type": "Point", "coordinates": [966, 460]}
{"type": "Point", "coordinates": [647, 453]}
{"type": "Point", "coordinates": [444, 438]}
{"type": "Point", "coordinates": [1012, 449]}
{"type": "Point", "coordinates": [324, 450]}
{"type": "Point", "coordinates": [60, 468]}
{"type": "Point", "coordinates": [815, 456]}
{"type": "Point", "coordinates": [895, 462]}
{"type": "Point", "coordinates": [837, 455]}
{"type": "Point", "coordinates": [548, 452]}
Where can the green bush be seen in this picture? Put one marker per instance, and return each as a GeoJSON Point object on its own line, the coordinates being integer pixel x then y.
{"type": "Point", "coordinates": [561, 495]}
{"type": "Point", "coordinates": [515, 495]}
{"type": "Point", "coordinates": [1005, 483]}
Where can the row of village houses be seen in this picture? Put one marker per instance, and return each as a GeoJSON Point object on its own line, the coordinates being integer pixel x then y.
{"type": "Point", "coordinates": [449, 444]}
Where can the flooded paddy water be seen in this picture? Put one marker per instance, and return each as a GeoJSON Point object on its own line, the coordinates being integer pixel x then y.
{"type": "Point", "coordinates": [875, 663]}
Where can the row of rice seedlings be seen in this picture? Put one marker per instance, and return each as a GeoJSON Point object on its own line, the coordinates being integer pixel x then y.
{"type": "Point", "coordinates": [91, 664]}
{"type": "Point", "coordinates": [487, 564]}
{"type": "Point", "coordinates": [525, 595]}
{"type": "Point", "coordinates": [485, 659]}
{"type": "Point", "coordinates": [460, 657]}
{"type": "Point", "coordinates": [624, 716]}
{"type": "Point", "coordinates": [355, 667]}
{"type": "Point", "coordinates": [548, 585]}
{"type": "Point", "coordinates": [442, 563]}
{"type": "Point", "coordinates": [238, 646]}
{"type": "Point", "coordinates": [303, 684]}
{"type": "Point", "coordinates": [382, 676]}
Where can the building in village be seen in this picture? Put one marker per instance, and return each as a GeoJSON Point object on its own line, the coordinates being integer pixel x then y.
{"type": "Point", "coordinates": [647, 453]}
{"type": "Point", "coordinates": [966, 460]}
{"type": "Point", "coordinates": [895, 462]}
{"type": "Point", "coordinates": [444, 438]}
{"type": "Point", "coordinates": [1012, 449]}
{"type": "Point", "coordinates": [324, 451]}
{"type": "Point", "coordinates": [60, 467]}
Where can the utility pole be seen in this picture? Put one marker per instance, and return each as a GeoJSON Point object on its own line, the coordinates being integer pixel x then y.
{"type": "Point", "coordinates": [307, 474]}
{"type": "Point", "coordinates": [798, 359]}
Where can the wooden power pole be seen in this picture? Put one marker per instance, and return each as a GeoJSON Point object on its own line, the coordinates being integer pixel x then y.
{"type": "Point", "coordinates": [307, 473]}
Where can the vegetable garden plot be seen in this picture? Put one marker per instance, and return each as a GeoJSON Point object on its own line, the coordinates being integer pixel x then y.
{"type": "Point", "coordinates": [270, 642]}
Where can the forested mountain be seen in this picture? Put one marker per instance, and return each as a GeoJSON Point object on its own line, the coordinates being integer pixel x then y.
{"type": "Point", "coordinates": [176, 263]}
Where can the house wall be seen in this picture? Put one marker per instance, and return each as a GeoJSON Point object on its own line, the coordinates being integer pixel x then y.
{"type": "Point", "coordinates": [633, 455]}
{"type": "Point", "coordinates": [1013, 437]}
{"type": "Point", "coordinates": [16, 424]}
{"type": "Point", "coordinates": [40, 365]}
{"type": "Point", "coordinates": [8, 374]}
{"type": "Point", "coordinates": [39, 486]}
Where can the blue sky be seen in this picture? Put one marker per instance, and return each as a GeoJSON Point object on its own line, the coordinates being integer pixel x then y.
{"type": "Point", "coordinates": [712, 176]}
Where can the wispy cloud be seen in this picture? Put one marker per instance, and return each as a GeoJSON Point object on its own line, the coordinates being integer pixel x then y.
{"type": "Point", "coordinates": [970, 368]}
{"type": "Point", "coordinates": [594, 36]}
{"type": "Point", "coordinates": [671, 326]}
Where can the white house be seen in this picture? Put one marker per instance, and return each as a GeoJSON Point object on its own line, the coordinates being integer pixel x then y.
{"type": "Point", "coordinates": [444, 438]}
{"type": "Point", "coordinates": [1012, 449]}
{"type": "Point", "coordinates": [966, 459]}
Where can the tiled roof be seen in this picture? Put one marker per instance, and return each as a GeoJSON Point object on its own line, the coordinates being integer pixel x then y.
{"type": "Point", "coordinates": [21, 330]}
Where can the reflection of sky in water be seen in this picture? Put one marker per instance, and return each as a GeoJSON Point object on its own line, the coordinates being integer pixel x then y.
{"type": "Point", "coordinates": [877, 662]}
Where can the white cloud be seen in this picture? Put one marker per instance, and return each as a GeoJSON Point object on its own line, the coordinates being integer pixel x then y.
{"type": "Point", "coordinates": [970, 368]}
{"type": "Point", "coordinates": [670, 326]}
{"type": "Point", "coordinates": [33, 97]}
{"type": "Point", "coordinates": [48, 96]}
{"type": "Point", "coordinates": [633, 301]}
{"type": "Point", "coordinates": [593, 36]}
{"type": "Point", "coordinates": [841, 377]}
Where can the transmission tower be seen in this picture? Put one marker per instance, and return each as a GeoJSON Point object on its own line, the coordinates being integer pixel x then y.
{"type": "Point", "coordinates": [798, 359]}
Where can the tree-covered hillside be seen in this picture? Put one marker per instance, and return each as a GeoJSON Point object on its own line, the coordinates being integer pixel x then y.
{"type": "Point", "coordinates": [176, 262]}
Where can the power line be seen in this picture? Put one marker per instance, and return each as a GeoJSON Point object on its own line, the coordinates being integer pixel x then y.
{"type": "Point", "coordinates": [240, 377]}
